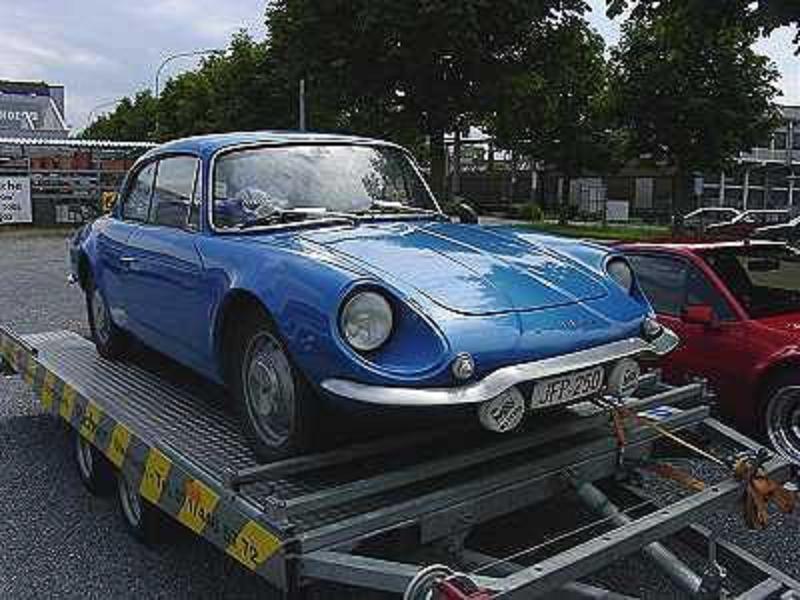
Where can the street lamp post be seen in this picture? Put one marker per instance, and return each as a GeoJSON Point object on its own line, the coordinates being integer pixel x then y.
{"type": "Point", "coordinates": [166, 61]}
{"type": "Point", "coordinates": [99, 106]}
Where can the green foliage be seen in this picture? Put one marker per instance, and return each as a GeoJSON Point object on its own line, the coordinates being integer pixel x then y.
{"type": "Point", "coordinates": [688, 87]}
{"type": "Point", "coordinates": [133, 119]}
{"type": "Point", "coordinates": [554, 106]}
{"type": "Point", "coordinates": [389, 67]}
{"type": "Point", "coordinates": [763, 16]}
{"type": "Point", "coordinates": [535, 213]}
{"type": "Point", "coordinates": [244, 89]}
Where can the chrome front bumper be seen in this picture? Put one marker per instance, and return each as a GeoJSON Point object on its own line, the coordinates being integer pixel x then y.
{"type": "Point", "coordinates": [502, 379]}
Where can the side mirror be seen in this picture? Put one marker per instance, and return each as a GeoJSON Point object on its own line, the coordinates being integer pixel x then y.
{"type": "Point", "coordinates": [700, 314]}
{"type": "Point", "coordinates": [467, 214]}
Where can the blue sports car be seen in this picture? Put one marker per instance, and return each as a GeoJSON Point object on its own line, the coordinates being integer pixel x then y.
{"type": "Point", "coordinates": [302, 268]}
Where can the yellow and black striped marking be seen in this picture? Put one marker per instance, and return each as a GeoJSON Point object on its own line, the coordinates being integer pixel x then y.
{"type": "Point", "coordinates": [163, 479]}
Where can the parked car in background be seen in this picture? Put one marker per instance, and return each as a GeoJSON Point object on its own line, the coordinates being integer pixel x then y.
{"type": "Point", "coordinates": [785, 232]}
{"type": "Point", "coordinates": [299, 268]}
{"type": "Point", "coordinates": [746, 223]}
{"type": "Point", "coordinates": [697, 221]}
{"type": "Point", "coordinates": [736, 308]}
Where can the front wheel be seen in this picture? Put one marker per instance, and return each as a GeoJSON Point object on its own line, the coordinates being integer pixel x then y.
{"type": "Point", "coordinates": [782, 418]}
{"type": "Point", "coordinates": [109, 339]}
{"type": "Point", "coordinates": [272, 398]}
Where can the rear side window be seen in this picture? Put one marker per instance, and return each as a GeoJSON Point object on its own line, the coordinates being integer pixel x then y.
{"type": "Point", "coordinates": [663, 281]}
{"type": "Point", "coordinates": [137, 205]}
{"type": "Point", "coordinates": [672, 284]}
{"type": "Point", "coordinates": [174, 191]}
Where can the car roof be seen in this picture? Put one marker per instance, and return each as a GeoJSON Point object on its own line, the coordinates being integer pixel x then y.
{"type": "Point", "coordinates": [699, 247]}
{"type": "Point", "coordinates": [207, 145]}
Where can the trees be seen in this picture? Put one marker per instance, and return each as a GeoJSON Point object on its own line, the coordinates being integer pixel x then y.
{"type": "Point", "coordinates": [420, 63]}
{"type": "Point", "coordinates": [763, 16]}
{"type": "Point", "coordinates": [132, 119]}
{"type": "Point", "coordinates": [688, 87]}
{"type": "Point", "coordinates": [554, 108]}
{"type": "Point", "coordinates": [243, 89]}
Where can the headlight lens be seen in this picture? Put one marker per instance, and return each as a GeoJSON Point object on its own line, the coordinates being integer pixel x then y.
{"type": "Point", "coordinates": [620, 271]}
{"type": "Point", "coordinates": [366, 321]}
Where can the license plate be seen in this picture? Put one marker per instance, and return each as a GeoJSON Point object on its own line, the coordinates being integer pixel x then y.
{"type": "Point", "coordinates": [567, 388]}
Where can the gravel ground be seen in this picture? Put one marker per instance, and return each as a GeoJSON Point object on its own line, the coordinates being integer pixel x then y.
{"type": "Point", "coordinates": [58, 541]}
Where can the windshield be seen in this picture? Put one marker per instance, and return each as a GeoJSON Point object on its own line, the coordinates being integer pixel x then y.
{"type": "Point", "coordinates": [765, 280]}
{"type": "Point", "coordinates": [315, 181]}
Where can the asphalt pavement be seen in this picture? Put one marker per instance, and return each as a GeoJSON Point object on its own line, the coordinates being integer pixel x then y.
{"type": "Point", "coordinates": [57, 541]}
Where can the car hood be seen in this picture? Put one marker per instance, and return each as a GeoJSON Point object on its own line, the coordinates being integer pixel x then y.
{"type": "Point", "coordinates": [466, 269]}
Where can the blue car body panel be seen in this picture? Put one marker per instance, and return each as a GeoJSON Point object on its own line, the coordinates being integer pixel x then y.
{"type": "Point", "coordinates": [502, 294]}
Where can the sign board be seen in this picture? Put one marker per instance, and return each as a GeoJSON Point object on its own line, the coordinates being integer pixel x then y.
{"type": "Point", "coordinates": [15, 200]}
{"type": "Point", "coordinates": [617, 210]}
{"type": "Point", "coordinates": [19, 115]}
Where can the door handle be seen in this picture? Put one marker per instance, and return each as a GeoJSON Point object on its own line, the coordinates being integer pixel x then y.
{"type": "Point", "coordinates": [127, 260]}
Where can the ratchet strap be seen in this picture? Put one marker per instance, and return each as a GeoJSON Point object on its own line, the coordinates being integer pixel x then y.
{"type": "Point", "coordinates": [758, 489]}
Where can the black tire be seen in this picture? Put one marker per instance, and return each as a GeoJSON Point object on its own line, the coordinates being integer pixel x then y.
{"type": "Point", "coordinates": [111, 342]}
{"type": "Point", "coordinates": [96, 472]}
{"type": "Point", "coordinates": [275, 404]}
{"type": "Point", "coordinates": [781, 415]}
{"type": "Point", "coordinates": [144, 521]}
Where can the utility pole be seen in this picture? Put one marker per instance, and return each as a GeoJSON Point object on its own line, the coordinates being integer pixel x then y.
{"type": "Point", "coordinates": [302, 104]}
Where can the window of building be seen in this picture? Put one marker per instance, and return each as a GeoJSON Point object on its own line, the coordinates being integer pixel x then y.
{"type": "Point", "coordinates": [780, 140]}
{"type": "Point", "coordinates": [137, 204]}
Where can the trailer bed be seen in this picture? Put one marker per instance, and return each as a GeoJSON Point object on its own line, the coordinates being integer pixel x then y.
{"type": "Point", "coordinates": [300, 519]}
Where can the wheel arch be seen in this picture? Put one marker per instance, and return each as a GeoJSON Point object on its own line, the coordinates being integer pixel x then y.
{"type": "Point", "coordinates": [84, 269]}
{"type": "Point", "coordinates": [768, 377]}
{"type": "Point", "coordinates": [236, 302]}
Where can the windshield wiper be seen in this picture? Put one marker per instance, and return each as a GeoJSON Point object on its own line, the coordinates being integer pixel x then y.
{"type": "Point", "coordinates": [382, 206]}
{"type": "Point", "coordinates": [290, 215]}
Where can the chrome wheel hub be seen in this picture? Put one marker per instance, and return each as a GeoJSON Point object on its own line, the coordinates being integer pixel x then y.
{"type": "Point", "coordinates": [102, 322]}
{"type": "Point", "coordinates": [269, 390]}
{"type": "Point", "coordinates": [783, 423]}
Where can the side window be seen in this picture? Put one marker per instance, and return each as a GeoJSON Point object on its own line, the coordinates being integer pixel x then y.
{"type": "Point", "coordinates": [662, 280]}
{"type": "Point", "coordinates": [137, 204]}
{"type": "Point", "coordinates": [174, 191]}
{"type": "Point", "coordinates": [700, 291]}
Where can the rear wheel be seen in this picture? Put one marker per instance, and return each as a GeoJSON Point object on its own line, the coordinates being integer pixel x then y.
{"type": "Point", "coordinates": [95, 471]}
{"type": "Point", "coordinates": [110, 340]}
{"type": "Point", "coordinates": [782, 416]}
{"type": "Point", "coordinates": [273, 400]}
{"type": "Point", "coordinates": [141, 518]}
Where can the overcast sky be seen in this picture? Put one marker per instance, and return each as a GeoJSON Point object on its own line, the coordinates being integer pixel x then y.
{"type": "Point", "coordinates": [102, 50]}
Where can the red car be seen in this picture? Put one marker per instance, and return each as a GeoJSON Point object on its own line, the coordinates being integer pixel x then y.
{"type": "Point", "coordinates": [736, 308]}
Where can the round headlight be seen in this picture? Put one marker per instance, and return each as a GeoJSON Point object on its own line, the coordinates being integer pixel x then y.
{"type": "Point", "coordinates": [620, 271]}
{"type": "Point", "coordinates": [366, 321]}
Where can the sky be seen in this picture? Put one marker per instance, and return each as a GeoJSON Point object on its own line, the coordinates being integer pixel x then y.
{"type": "Point", "coordinates": [102, 50]}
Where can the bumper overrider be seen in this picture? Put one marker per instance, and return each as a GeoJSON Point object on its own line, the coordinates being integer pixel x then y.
{"type": "Point", "coordinates": [505, 378]}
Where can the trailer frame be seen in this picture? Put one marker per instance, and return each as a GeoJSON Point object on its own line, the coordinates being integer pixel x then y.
{"type": "Point", "coordinates": [306, 520]}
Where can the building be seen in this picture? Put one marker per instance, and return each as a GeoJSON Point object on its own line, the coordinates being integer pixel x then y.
{"type": "Point", "coordinates": [32, 110]}
{"type": "Point", "coordinates": [765, 177]}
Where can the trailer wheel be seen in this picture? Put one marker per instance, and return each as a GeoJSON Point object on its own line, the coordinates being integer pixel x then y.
{"type": "Point", "coordinates": [782, 416]}
{"type": "Point", "coordinates": [95, 471]}
{"type": "Point", "coordinates": [273, 400]}
{"type": "Point", "coordinates": [141, 518]}
{"type": "Point", "coordinates": [110, 340]}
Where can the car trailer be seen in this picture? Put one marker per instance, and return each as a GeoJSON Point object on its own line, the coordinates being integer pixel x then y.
{"type": "Point", "coordinates": [395, 515]}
